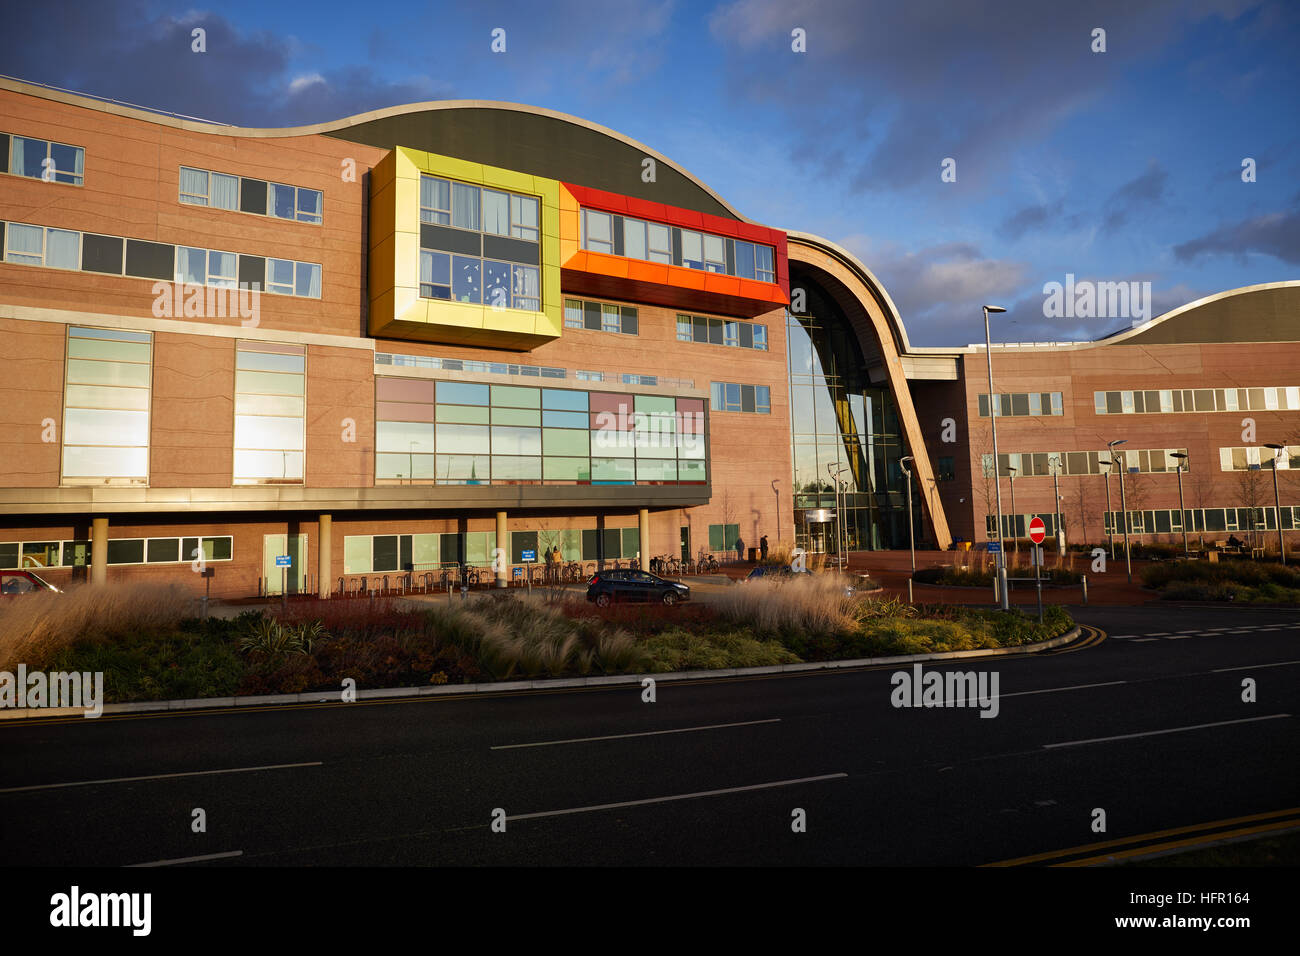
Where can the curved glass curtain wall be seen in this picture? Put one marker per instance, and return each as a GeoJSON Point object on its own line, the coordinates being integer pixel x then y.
{"type": "Point", "coordinates": [838, 419]}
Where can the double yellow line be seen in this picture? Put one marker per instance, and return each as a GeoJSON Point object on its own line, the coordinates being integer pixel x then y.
{"type": "Point", "coordinates": [1163, 841]}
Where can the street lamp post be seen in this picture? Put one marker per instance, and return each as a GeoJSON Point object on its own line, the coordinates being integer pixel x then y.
{"type": "Point", "coordinates": [997, 481]}
{"type": "Point", "coordinates": [1118, 464]}
{"type": "Point", "coordinates": [911, 539]}
{"type": "Point", "coordinates": [839, 513]}
{"type": "Point", "coordinates": [1110, 535]}
{"type": "Point", "coordinates": [777, 491]}
{"type": "Point", "coordinates": [1056, 502]}
{"type": "Point", "coordinates": [1277, 501]}
{"type": "Point", "coordinates": [1015, 524]}
{"type": "Point", "coordinates": [1182, 511]}
{"type": "Point", "coordinates": [1123, 506]}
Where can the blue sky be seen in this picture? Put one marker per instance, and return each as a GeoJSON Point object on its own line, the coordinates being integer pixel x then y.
{"type": "Point", "coordinates": [1122, 165]}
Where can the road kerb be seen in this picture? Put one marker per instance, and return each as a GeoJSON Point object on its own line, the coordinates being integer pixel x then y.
{"type": "Point", "coordinates": [323, 697]}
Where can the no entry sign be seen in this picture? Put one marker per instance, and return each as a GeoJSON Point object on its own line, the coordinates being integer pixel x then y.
{"type": "Point", "coordinates": [1037, 531]}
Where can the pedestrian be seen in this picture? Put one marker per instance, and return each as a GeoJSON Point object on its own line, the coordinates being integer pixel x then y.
{"type": "Point", "coordinates": [740, 549]}
{"type": "Point", "coordinates": [550, 565]}
{"type": "Point", "coordinates": [762, 547]}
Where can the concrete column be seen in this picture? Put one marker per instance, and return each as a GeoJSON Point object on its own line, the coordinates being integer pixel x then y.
{"type": "Point", "coordinates": [324, 535]}
{"type": "Point", "coordinates": [503, 542]}
{"type": "Point", "coordinates": [99, 551]}
{"type": "Point", "coordinates": [643, 526]}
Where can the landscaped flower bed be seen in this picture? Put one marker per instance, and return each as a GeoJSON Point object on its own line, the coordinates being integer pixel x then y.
{"type": "Point", "coordinates": [150, 648]}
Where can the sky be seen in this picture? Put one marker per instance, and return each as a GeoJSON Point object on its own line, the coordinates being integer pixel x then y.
{"type": "Point", "coordinates": [1122, 165]}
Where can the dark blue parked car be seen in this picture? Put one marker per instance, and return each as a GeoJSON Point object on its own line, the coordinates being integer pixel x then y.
{"type": "Point", "coordinates": [606, 587]}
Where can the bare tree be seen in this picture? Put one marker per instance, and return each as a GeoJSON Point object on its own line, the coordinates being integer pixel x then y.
{"type": "Point", "coordinates": [1251, 491]}
{"type": "Point", "coordinates": [1080, 501]}
{"type": "Point", "coordinates": [983, 482]}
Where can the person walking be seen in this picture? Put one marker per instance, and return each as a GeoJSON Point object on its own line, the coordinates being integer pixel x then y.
{"type": "Point", "coordinates": [740, 549]}
{"type": "Point", "coordinates": [550, 566]}
{"type": "Point", "coordinates": [762, 547]}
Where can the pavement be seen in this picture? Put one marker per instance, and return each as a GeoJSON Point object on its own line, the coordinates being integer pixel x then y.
{"type": "Point", "coordinates": [1149, 727]}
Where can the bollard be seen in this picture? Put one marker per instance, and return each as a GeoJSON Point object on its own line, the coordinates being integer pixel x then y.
{"type": "Point", "coordinates": [449, 592]}
{"type": "Point", "coordinates": [1084, 577]}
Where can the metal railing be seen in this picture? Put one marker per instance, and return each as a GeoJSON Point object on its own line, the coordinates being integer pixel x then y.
{"type": "Point", "coordinates": [400, 360]}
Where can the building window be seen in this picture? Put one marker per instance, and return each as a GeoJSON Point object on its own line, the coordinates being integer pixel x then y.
{"type": "Point", "coordinates": [286, 277]}
{"type": "Point", "coordinates": [1255, 457]}
{"type": "Point", "coordinates": [470, 433]}
{"type": "Point", "coordinates": [600, 316]}
{"type": "Point", "coordinates": [202, 188]}
{"type": "Point", "coordinates": [722, 537]}
{"type": "Point", "coordinates": [42, 159]}
{"type": "Point", "coordinates": [270, 391]}
{"type": "Point", "coordinates": [1022, 404]}
{"type": "Point", "coordinates": [1181, 400]}
{"type": "Point", "coordinates": [1042, 464]}
{"type": "Point", "coordinates": [42, 246]}
{"type": "Point", "coordinates": [106, 407]}
{"type": "Point", "coordinates": [654, 242]}
{"type": "Point", "coordinates": [492, 211]}
{"type": "Point", "coordinates": [206, 267]}
{"type": "Point", "coordinates": [294, 202]}
{"type": "Point", "coordinates": [730, 397]}
{"type": "Point", "coordinates": [597, 231]}
{"type": "Point", "coordinates": [446, 272]}
{"type": "Point", "coordinates": [697, 328]}
{"type": "Point", "coordinates": [946, 469]}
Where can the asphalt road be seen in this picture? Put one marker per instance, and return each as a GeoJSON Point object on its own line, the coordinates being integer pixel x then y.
{"type": "Point", "coordinates": [1148, 725]}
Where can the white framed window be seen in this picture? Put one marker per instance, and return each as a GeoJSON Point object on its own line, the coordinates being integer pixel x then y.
{"type": "Point", "coordinates": [692, 249]}
{"type": "Point", "coordinates": [634, 246]}
{"type": "Point", "coordinates": [199, 187]}
{"type": "Point", "coordinates": [597, 231]}
{"type": "Point", "coordinates": [45, 160]}
{"type": "Point", "coordinates": [42, 246]}
{"type": "Point", "coordinates": [659, 240]}
{"type": "Point", "coordinates": [435, 201]}
{"type": "Point", "coordinates": [435, 274]}
{"type": "Point", "coordinates": [715, 254]}
{"type": "Point", "coordinates": [524, 217]}
{"type": "Point", "coordinates": [496, 212]}
{"type": "Point", "coordinates": [286, 277]}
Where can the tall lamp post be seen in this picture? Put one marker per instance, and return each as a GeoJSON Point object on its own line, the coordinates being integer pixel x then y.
{"type": "Point", "coordinates": [777, 491]}
{"type": "Point", "coordinates": [911, 539]}
{"type": "Point", "coordinates": [1055, 462]}
{"type": "Point", "coordinates": [1277, 501]}
{"type": "Point", "coordinates": [839, 513]}
{"type": "Point", "coordinates": [1015, 524]}
{"type": "Point", "coordinates": [1116, 463]}
{"type": "Point", "coordinates": [1182, 511]}
{"type": "Point", "coordinates": [1110, 535]}
{"type": "Point", "coordinates": [997, 482]}
{"type": "Point", "coordinates": [1123, 506]}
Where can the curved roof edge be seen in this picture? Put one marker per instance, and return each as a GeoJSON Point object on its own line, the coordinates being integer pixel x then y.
{"type": "Point", "coordinates": [1118, 338]}
{"type": "Point", "coordinates": [333, 126]}
{"type": "Point", "coordinates": [869, 279]}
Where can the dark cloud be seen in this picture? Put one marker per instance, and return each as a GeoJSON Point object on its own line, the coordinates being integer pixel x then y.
{"type": "Point", "coordinates": [908, 84]}
{"type": "Point", "coordinates": [1032, 218]}
{"type": "Point", "coordinates": [1275, 234]}
{"type": "Point", "coordinates": [119, 50]}
{"type": "Point", "coordinates": [1146, 189]}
